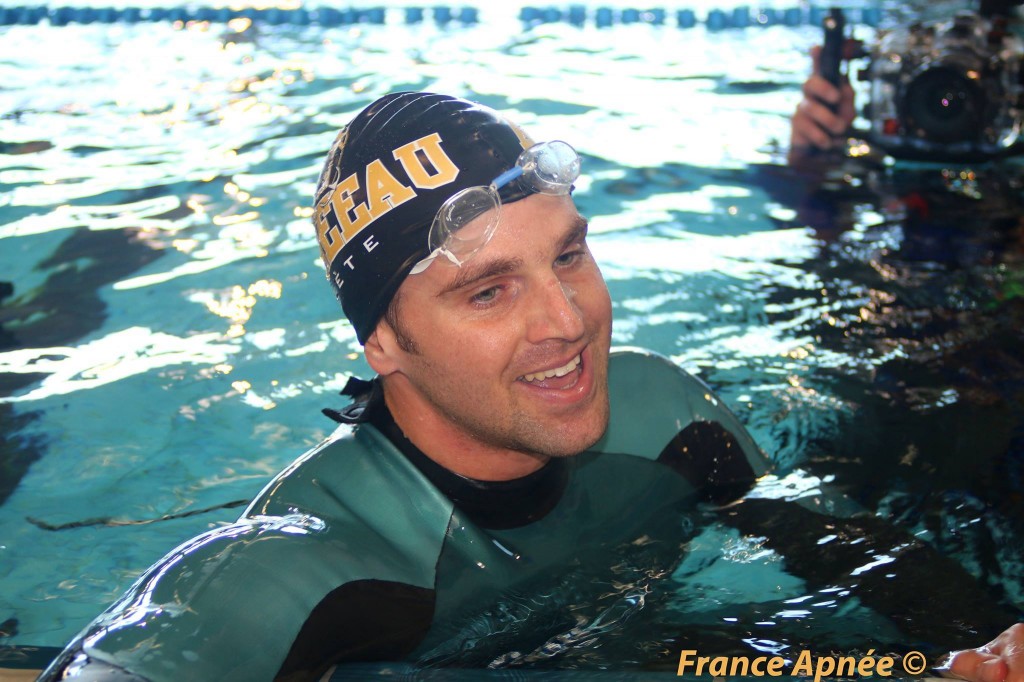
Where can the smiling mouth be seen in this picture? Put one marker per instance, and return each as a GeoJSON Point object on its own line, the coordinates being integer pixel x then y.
{"type": "Point", "coordinates": [553, 373]}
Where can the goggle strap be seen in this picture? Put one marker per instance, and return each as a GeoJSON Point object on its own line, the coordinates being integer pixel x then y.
{"type": "Point", "coordinates": [425, 263]}
{"type": "Point", "coordinates": [422, 265]}
{"type": "Point", "coordinates": [451, 256]}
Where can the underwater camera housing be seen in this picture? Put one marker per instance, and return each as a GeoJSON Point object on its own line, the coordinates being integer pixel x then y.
{"type": "Point", "coordinates": [950, 89]}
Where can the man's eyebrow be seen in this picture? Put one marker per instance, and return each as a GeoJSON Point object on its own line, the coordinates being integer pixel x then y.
{"type": "Point", "coordinates": [577, 233]}
{"type": "Point", "coordinates": [481, 271]}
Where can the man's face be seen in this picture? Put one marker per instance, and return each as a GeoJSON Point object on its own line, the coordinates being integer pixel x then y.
{"type": "Point", "coordinates": [511, 348]}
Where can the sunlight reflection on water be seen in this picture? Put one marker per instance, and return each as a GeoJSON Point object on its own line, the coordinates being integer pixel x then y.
{"type": "Point", "coordinates": [174, 340]}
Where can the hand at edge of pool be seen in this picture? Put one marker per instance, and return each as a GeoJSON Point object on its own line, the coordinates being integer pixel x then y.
{"type": "Point", "coordinates": [1001, 660]}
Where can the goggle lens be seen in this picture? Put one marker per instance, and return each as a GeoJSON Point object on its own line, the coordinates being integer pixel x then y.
{"type": "Point", "coordinates": [465, 222]}
{"type": "Point", "coordinates": [551, 168]}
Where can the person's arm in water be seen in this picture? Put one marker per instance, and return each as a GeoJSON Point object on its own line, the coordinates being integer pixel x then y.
{"type": "Point", "coordinates": [824, 113]}
{"type": "Point", "coordinates": [1001, 660]}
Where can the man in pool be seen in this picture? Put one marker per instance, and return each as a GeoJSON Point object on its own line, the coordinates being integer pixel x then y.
{"type": "Point", "coordinates": [485, 465]}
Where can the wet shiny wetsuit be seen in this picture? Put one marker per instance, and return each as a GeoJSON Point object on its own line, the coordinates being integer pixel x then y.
{"type": "Point", "coordinates": [364, 549]}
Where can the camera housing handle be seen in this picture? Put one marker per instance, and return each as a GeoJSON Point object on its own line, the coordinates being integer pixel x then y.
{"type": "Point", "coordinates": [834, 25]}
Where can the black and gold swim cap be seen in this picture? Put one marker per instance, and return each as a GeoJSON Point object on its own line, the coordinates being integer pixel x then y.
{"type": "Point", "coordinates": [384, 180]}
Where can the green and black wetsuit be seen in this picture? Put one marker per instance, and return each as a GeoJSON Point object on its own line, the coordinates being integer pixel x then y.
{"type": "Point", "coordinates": [364, 549]}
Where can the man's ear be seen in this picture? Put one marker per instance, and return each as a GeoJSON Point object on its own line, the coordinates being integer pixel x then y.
{"type": "Point", "coordinates": [382, 351]}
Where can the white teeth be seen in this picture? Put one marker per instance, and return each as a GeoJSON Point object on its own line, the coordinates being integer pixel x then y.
{"type": "Point", "coordinates": [559, 372]}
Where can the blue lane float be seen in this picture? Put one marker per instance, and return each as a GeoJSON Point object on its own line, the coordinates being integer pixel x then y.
{"type": "Point", "coordinates": [577, 15]}
{"type": "Point", "coordinates": [686, 18]}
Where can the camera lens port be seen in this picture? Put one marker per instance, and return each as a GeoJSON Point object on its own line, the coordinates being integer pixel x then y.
{"type": "Point", "coordinates": [943, 104]}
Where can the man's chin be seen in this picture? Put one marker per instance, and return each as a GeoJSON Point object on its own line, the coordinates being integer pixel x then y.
{"type": "Point", "coordinates": [582, 433]}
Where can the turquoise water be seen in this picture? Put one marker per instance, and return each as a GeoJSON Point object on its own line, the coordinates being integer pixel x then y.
{"type": "Point", "coordinates": [170, 339]}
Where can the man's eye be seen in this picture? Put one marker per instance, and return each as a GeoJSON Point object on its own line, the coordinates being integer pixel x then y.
{"type": "Point", "coordinates": [569, 257]}
{"type": "Point", "coordinates": [485, 296]}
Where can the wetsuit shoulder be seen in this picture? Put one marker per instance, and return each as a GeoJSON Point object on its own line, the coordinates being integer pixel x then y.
{"type": "Point", "coordinates": [315, 571]}
{"type": "Point", "coordinates": [661, 412]}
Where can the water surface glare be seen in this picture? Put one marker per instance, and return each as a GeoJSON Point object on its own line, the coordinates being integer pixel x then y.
{"type": "Point", "coordinates": [170, 338]}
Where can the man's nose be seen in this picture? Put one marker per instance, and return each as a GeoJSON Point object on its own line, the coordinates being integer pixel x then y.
{"type": "Point", "coordinates": [554, 314]}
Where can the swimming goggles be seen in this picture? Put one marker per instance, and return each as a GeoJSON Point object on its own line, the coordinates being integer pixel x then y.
{"type": "Point", "coordinates": [468, 219]}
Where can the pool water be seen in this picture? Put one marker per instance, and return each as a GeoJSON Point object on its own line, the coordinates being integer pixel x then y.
{"type": "Point", "coordinates": [170, 339]}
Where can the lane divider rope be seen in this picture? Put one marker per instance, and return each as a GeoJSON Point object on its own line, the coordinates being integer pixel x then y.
{"type": "Point", "coordinates": [576, 15]}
